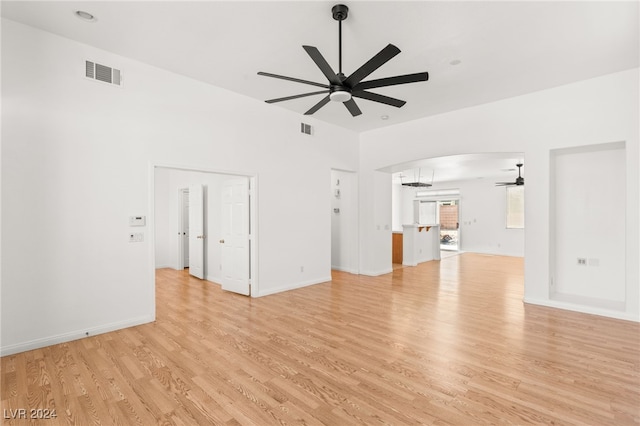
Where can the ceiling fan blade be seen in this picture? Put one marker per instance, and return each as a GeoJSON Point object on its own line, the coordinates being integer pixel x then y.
{"type": "Point", "coordinates": [319, 105]}
{"type": "Point", "coordinates": [505, 183]}
{"type": "Point", "coordinates": [379, 98]}
{"type": "Point", "coordinates": [391, 81]}
{"type": "Point", "coordinates": [352, 107]}
{"type": "Point", "coordinates": [371, 65]}
{"type": "Point", "coordinates": [288, 98]}
{"type": "Point", "coordinates": [297, 80]}
{"type": "Point", "coordinates": [322, 64]}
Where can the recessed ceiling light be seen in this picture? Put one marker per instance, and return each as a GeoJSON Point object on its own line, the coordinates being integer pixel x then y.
{"type": "Point", "coordinates": [85, 16]}
{"type": "Point", "coordinates": [455, 62]}
{"type": "Point", "coordinates": [384, 117]}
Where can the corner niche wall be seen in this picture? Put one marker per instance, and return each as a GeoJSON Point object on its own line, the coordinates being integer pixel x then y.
{"type": "Point", "coordinates": [587, 226]}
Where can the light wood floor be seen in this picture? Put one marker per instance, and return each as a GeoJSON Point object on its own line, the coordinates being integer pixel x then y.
{"type": "Point", "coordinates": [447, 342]}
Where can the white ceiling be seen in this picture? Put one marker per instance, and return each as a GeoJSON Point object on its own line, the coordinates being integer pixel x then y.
{"type": "Point", "coordinates": [505, 48]}
{"type": "Point", "coordinates": [497, 167]}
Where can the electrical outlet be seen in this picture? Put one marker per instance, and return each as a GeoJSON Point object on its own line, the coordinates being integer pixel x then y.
{"type": "Point", "coordinates": [582, 261]}
{"type": "Point", "coordinates": [136, 237]}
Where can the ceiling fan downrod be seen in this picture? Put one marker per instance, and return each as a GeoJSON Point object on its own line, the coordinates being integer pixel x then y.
{"type": "Point", "coordinates": [340, 13]}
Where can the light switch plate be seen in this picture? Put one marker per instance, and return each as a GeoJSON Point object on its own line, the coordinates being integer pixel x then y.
{"type": "Point", "coordinates": [137, 220]}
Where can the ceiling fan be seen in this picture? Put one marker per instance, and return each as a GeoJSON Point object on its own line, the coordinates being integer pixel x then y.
{"type": "Point", "coordinates": [519, 180]}
{"type": "Point", "coordinates": [342, 88]}
{"type": "Point", "coordinates": [417, 183]}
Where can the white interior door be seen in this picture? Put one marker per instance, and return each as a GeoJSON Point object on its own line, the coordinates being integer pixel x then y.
{"type": "Point", "coordinates": [184, 238]}
{"type": "Point", "coordinates": [235, 235]}
{"type": "Point", "coordinates": [196, 231]}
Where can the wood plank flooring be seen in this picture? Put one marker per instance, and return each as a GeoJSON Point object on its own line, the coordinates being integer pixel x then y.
{"type": "Point", "coordinates": [447, 342]}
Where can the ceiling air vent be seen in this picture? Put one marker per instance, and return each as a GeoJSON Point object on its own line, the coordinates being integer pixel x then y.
{"type": "Point", "coordinates": [102, 73]}
{"type": "Point", "coordinates": [305, 128]}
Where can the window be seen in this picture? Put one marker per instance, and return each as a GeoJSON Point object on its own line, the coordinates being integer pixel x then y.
{"type": "Point", "coordinates": [515, 207]}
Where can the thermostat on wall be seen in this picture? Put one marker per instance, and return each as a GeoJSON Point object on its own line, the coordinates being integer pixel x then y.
{"type": "Point", "coordinates": [137, 220]}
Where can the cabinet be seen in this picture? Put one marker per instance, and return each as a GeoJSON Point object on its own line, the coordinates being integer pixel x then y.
{"type": "Point", "coordinates": [396, 247]}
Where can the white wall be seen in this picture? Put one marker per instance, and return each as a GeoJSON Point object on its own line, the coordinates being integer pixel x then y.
{"type": "Point", "coordinates": [482, 216]}
{"type": "Point", "coordinates": [164, 256]}
{"type": "Point", "coordinates": [590, 224]}
{"type": "Point", "coordinates": [77, 159]}
{"type": "Point", "coordinates": [375, 220]}
{"type": "Point", "coordinates": [595, 111]}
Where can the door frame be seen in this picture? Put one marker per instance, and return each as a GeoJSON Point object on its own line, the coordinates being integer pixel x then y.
{"type": "Point", "coordinates": [253, 219]}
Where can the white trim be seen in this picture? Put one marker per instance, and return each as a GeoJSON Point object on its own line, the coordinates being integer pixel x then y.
{"type": "Point", "coordinates": [151, 248]}
{"type": "Point", "coordinates": [349, 270]}
{"type": "Point", "coordinates": [254, 287]}
{"type": "Point", "coordinates": [213, 279]}
{"type": "Point", "coordinates": [583, 309]}
{"type": "Point", "coordinates": [73, 335]}
{"type": "Point", "coordinates": [377, 273]}
{"type": "Point", "coordinates": [165, 266]}
{"type": "Point", "coordinates": [291, 287]}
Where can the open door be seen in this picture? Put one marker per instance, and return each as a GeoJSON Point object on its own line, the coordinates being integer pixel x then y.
{"type": "Point", "coordinates": [235, 235]}
{"type": "Point", "coordinates": [196, 231]}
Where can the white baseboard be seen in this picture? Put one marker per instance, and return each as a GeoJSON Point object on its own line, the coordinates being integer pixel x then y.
{"type": "Point", "coordinates": [348, 270]}
{"type": "Point", "coordinates": [164, 266]}
{"type": "Point", "coordinates": [73, 335]}
{"type": "Point", "coordinates": [584, 309]}
{"type": "Point", "coordinates": [291, 287]}
{"type": "Point", "coordinates": [213, 279]}
{"type": "Point", "coordinates": [377, 273]}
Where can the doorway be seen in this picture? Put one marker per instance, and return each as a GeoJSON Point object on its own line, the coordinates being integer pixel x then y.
{"type": "Point", "coordinates": [173, 216]}
{"type": "Point", "coordinates": [448, 218]}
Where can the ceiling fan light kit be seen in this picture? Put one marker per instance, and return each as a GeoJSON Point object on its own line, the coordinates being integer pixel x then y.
{"type": "Point", "coordinates": [340, 96]}
{"type": "Point", "coordinates": [342, 88]}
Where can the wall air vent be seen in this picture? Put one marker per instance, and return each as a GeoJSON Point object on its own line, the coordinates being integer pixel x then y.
{"type": "Point", "coordinates": [102, 73]}
{"type": "Point", "coordinates": [306, 128]}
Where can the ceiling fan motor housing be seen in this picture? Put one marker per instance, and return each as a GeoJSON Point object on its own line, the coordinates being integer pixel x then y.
{"type": "Point", "coordinates": [340, 12]}
{"type": "Point", "coordinates": [339, 92]}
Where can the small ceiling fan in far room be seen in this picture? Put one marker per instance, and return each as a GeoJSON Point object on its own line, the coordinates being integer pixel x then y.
{"type": "Point", "coordinates": [417, 183]}
{"type": "Point", "coordinates": [518, 182]}
{"type": "Point", "coordinates": [342, 88]}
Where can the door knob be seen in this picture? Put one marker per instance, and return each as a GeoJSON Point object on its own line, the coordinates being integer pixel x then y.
{"type": "Point", "coordinates": [221, 241]}
{"type": "Point", "coordinates": [200, 236]}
